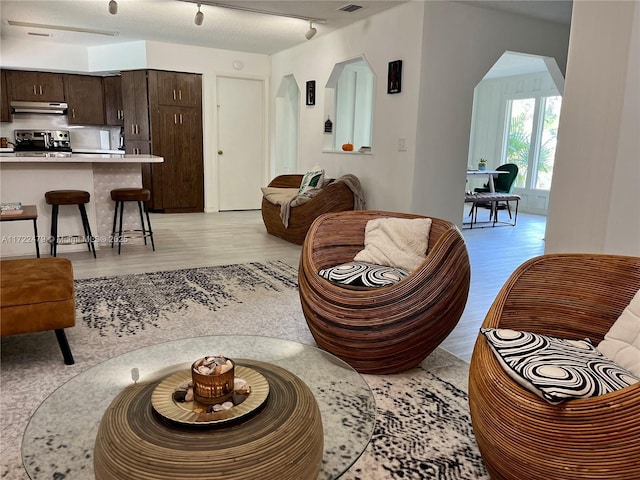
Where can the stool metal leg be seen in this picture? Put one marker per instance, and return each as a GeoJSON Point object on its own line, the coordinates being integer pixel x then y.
{"type": "Point", "coordinates": [113, 229]}
{"type": "Point", "coordinates": [85, 223]}
{"type": "Point", "coordinates": [54, 231]}
{"type": "Point", "coordinates": [144, 233]}
{"type": "Point", "coordinates": [146, 211]}
{"type": "Point", "coordinates": [120, 230]}
{"type": "Point", "coordinates": [84, 228]}
{"type": "Point", "coordinates": [35, 233]}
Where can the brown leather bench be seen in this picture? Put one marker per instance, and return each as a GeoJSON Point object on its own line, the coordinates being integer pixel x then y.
{"type": "Point", "coordinates": [37, 295]}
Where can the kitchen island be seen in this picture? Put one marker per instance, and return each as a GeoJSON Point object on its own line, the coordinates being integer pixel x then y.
{"type": "Point", "coordinates": [25, 177]}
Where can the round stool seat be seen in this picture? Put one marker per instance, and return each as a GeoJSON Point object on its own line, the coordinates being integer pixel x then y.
{"type": "Point", "coordinates": [67, 197]}
{"type": "Point", "coordinates": [130, 195]}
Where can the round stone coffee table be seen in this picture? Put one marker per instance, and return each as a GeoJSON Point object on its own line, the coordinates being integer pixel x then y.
{"type": "Point", "coordinates": [63, 433]}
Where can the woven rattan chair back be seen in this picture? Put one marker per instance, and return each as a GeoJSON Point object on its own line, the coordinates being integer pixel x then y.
{"type": "Point", "coordinates": [522, 436]}
{"type": "Point", "coordinates": [388, 329]}
{"type": "Point", "coordinates": [335, 197]}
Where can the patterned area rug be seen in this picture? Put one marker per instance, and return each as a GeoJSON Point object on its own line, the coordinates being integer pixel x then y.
{"type": "Point", "coordinates": [423, 429]}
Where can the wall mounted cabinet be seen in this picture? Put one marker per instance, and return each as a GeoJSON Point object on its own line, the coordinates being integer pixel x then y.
{"type": "Point", "coordinates": [35, 86]}
{"type": "Point", "coordinates": [135, 103]}
{"type": "Point", "coordinates": [113, 110]}
{"type": "Point", "coordinates": [84, 95]}
{"type": "Point", "coordinates": [178, 89]}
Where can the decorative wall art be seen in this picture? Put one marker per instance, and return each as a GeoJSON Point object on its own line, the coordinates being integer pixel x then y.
{"type": "Point", "coordinates": [311, 92]}
{"type": "Point", "coordinates": [328, 126]}
{"type": "Point", "coordinates": [394, 82]}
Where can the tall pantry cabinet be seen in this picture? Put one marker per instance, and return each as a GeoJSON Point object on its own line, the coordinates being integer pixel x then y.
{"type": "Point", "coordinates": [163, 116]}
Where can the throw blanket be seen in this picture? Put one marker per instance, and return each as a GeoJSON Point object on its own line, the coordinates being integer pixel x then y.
{"type": "Point", "coordinates": [349, 180]}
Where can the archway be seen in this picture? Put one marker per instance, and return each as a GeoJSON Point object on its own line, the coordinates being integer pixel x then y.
{"type": "Point", "coordinates": [287, 124]}
{"type": "Point", "coordinates": [516, 108]}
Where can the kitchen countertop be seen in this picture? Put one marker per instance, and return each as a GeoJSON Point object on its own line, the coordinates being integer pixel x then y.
{"type": "Point", "coordinates": [97, 150]}
{"type": "Point", "coordinates": [25, 157]}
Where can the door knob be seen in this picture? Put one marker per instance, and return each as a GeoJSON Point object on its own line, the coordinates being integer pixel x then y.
{"type": "Point", "coordinates": [220, 152]}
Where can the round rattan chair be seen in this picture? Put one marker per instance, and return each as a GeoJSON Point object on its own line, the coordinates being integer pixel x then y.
{"type": "Point", "coordinates": [520, 435]}
{"type": "Point", "coordinates": [388, 329]}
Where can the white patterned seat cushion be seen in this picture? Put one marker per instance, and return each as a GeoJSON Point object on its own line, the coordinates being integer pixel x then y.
{"type": "Point", "coordinates": [556, 369]}
{"type": "Point", "coordinates": [362, 274]}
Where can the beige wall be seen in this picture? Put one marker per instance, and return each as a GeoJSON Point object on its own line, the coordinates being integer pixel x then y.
{"type": "Point", "coordinates": [446, 48]}
{"type": "Point", "coordinates": [396, 34]}
{"type": "Point", "coordinates": [595, 196]}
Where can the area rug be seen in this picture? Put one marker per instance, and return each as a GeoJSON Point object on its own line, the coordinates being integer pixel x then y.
{"type": "Point", "coordinates": [422, 429]}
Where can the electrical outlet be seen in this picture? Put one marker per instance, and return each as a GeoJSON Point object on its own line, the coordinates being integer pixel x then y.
{"type": "Point", "coordinates": [402, 144]}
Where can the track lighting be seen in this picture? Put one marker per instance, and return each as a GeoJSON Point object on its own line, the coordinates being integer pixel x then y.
{"type": "Point", "coordinates": [113, 7]}
{"type": "Point", "coordinates": [311, 32]}
{"type": "Point", "coordinates": [199, 17]}
{"type": "Point", "coordinates": [243, 8]}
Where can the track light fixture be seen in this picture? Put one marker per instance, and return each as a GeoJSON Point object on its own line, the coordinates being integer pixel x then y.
{"type": "Point", "coordinates": [311, 32]}
{"type": "Point", "coordinates": [113, 7]}
{"type": "Point", "coordinates": [199, 17]}
{"type": "Point", "coordinates": [238, 6]}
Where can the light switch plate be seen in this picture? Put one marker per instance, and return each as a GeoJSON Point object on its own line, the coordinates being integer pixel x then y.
{"type": "Point", "coordinates": [402, 144]}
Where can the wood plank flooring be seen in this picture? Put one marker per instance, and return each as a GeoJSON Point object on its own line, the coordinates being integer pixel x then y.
{"type": "Point", "coordinates": [206, 239]}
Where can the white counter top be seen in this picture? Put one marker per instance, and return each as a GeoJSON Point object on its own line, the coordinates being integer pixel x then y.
{"type": "Point", "coordinates": [77, 158]}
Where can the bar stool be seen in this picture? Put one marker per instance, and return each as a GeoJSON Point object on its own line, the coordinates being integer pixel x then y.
{"type": "Point", "coordinates": [140, 195]}
{"type": "Point", "coordinates": [69, 197]}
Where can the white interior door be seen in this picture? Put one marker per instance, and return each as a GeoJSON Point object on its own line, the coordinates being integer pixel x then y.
{"type": "Point", "coordinates": [241, 142]}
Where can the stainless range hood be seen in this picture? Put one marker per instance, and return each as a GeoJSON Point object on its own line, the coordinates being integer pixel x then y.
{"type": "Point", "coordinates": [52, 108]}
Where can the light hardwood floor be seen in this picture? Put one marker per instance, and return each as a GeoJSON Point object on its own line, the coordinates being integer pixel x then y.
{"type": "Point", "coordinates": [206, 239]}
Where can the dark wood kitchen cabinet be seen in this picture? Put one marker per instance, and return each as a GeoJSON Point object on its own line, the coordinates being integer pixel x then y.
{"type": "Point", "coordinates": [113, 111]}
{"type": "Point", "coordinates": [174, 133]}
{"type": "Point", "coordinates": [135, 103]}
{"type": "Point", "coordinates": [177, 89]}
{"type": "Point", "coordinates": [35, 86]}
{"type": "Point", "coordinates": [178, 183]}
{"type": "Point", "coordinates": [85, 97]}
{"type": "Point", "coordinates": [5, 114]}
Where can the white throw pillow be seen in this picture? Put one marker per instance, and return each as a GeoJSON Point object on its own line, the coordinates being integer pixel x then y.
{"type": "Point", "coordinates": [396, 242]}
{"type": "Point", "coordinates": [278, 196]}
{"type": "Point", "coordinates": [622, 342]}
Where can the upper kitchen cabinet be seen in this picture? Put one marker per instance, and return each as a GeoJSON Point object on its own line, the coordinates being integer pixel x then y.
{"type": "Point", "coordinates": [135, 103]}
{"type": "Point", "coordinates": [35, 86]}
{"type": "Point", "coordinates": [177, 89]}
{"type": "Point", "coordinates": [5, 115]}
{"type": "Point", "coordinates": [113, 111]}
{"type": "Point", "coordinates": [85, 98]}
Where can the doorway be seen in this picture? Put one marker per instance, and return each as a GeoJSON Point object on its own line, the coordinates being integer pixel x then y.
{"type": "Point", "coordinates": [516, 109]}
{"type": "Point", "coordinates": [241, 142]}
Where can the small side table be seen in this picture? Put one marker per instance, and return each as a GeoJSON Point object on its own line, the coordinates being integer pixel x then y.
{"type": "Point", "coordinates": [29, 212]}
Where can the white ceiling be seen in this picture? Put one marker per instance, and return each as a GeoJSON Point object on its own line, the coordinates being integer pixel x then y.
{"type": "Point", "coordinates": [172, 21]}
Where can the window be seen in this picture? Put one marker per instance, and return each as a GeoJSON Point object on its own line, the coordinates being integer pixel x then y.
{"type": "Point", "coordinates": [349, 98]}
{"type": "Point", "coordinates": [532, 129]}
